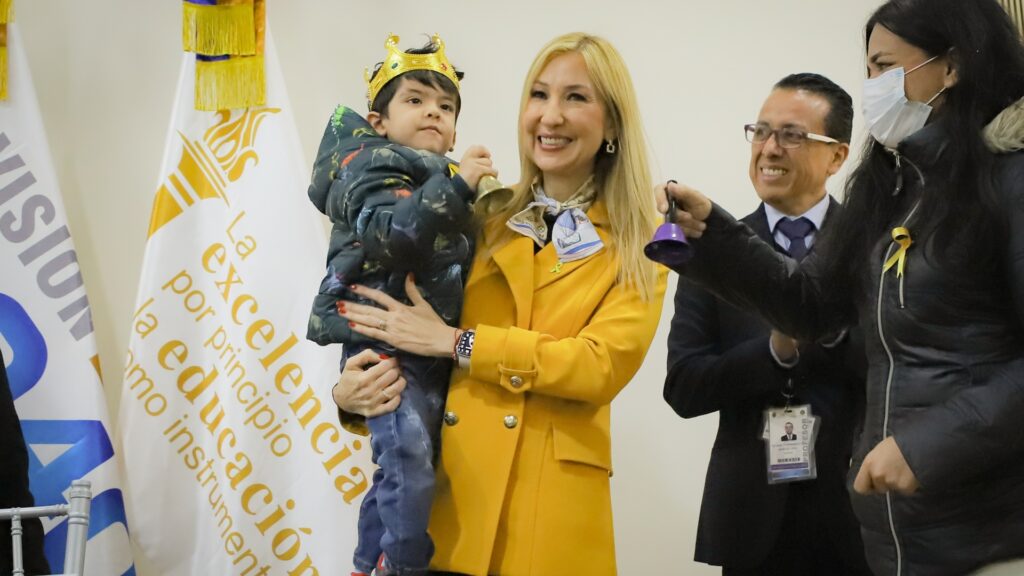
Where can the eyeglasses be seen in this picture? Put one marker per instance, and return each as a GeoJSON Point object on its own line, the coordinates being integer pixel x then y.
{"type": "Point", "coordinates": [787, 136]}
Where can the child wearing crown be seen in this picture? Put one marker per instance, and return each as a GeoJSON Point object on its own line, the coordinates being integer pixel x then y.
{"type": "Point", "coordinates": [398, 207]}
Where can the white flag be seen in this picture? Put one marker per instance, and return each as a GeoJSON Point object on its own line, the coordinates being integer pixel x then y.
{"type": "Point", "coordinates": [235, 462]}
{"type": "Point", "coordinates": [46, 334]}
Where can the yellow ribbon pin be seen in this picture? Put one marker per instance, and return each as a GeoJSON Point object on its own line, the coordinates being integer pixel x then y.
{"type": "Point", "coordinates": [901, 236]}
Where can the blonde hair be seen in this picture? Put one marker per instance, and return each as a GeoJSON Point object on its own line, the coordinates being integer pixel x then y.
{"type": "Point", "coordinates": [622, 179]}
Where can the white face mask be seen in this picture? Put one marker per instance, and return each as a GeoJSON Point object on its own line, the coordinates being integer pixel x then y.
{"type": "Point", "coordinates": [890, 116]}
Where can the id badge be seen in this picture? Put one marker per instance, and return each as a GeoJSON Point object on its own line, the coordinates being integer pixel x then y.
{"type": "Point", "coordinates": [789, 434]}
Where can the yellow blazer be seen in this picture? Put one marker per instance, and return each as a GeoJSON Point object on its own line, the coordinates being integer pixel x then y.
{"type": "Point", "coordinates": [522, 484]}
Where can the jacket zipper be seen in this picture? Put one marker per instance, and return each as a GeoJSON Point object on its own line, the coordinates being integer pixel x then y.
{"type": "Point", "coordinates": [885, 420]}
{"type": "Point", "coordinates": [888, 351]}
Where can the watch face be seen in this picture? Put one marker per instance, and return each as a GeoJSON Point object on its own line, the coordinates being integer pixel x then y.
{"type": "Point", "coordinates": [465, 345]}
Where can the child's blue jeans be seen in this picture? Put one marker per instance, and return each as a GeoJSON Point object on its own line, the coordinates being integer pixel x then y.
{"type": "Point", "coordinates": [395, 512]}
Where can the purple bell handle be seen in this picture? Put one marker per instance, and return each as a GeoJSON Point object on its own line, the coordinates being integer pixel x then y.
{"type": "Point", "coordinates": [670, 214]}
{"type": "Point", "coordinates": [669, 245]}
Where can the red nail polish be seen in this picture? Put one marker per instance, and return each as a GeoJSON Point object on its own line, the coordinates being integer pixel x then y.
{"type": "Point", "coordinates": [351, 324]}
{"type": "Point", "coordinates": [341, 307]}
{"type": "Point", "coordinates": [385, 357]}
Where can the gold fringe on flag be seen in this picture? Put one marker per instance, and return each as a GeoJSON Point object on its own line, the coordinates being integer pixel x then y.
{"type": "Point", "coordinates": [232, 83]}
{"type": "Point", "coordinates": [3, 63]}
{"type": "Point", "coordinates": [6, 15]}
{"type": "Point", "coordinates": [3, 59]}
{"type": "Point", "coordinates": [1015, 8]}
{"type": "Point", "coordinates": [233, 29]}
{"type": "Point", "coordinates": [220, 29]}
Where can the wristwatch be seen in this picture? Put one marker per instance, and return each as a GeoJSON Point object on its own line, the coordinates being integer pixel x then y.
{"type": "Point", "coordinates": [464, 347]}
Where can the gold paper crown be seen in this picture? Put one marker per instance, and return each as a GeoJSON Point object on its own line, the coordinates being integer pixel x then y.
{"type": "Point", "coordinates": [399, 62]}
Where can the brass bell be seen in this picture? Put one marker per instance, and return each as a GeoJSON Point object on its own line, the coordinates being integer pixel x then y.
{"type": "Point", "coordinates": [491, 195]}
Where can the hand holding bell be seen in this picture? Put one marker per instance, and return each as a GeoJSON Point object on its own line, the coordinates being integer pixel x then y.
{"type": "Point", "coordinates": [669, 245]}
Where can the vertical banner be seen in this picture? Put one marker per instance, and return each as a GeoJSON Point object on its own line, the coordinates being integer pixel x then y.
{"type": "Point", "coordinates": [46, 333]}
{"type": "Point", "coordinates": [235, 461]}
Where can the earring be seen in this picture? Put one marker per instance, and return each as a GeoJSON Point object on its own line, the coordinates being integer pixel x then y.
{"type": "Point", "coordinates": [609, 146]}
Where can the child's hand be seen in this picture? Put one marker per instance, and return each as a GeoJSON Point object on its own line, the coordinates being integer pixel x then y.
{"type": "Point", "coordinates": [475, 164]}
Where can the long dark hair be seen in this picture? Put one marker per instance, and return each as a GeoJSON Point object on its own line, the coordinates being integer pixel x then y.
{"type": "Point", "coordinates": [988, 56]}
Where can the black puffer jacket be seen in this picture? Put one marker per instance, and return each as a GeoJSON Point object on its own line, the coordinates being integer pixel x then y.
{"type": "Point", "coordinates": [395, 210]}
{"type": "Point", "coordinates": [946, 367]}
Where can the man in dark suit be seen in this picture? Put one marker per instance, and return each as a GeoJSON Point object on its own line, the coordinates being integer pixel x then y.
{"type": "Point", "coordinates": [14, 491]}
{"type": "Point", "coordinates": [721, 359]}
{"type": "Point", "coordinates": [789, 433]}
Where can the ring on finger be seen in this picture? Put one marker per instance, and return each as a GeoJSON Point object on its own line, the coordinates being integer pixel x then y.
{"type": "Point", "coordinates": [382, 325]}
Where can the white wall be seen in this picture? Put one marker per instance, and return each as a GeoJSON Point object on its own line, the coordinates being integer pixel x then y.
{"type": "Point", "coordinates": [105, 72]}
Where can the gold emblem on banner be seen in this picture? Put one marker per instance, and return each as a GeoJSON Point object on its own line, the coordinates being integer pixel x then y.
{"type": "Point", "coordinates": [209, 166]}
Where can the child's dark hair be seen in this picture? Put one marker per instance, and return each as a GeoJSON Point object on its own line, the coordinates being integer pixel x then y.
{"type": "Point", "coordinates": [426, 77]}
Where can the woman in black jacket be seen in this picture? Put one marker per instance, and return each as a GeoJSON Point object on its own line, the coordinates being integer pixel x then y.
{"type": "Point", "coordinates": [14, 489]}
{"type": "Point", "coordinates": [928, 257]}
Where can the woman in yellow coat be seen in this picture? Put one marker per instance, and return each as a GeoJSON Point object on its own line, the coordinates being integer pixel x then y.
{"type": "Point", "coordinates": [560, 308]}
